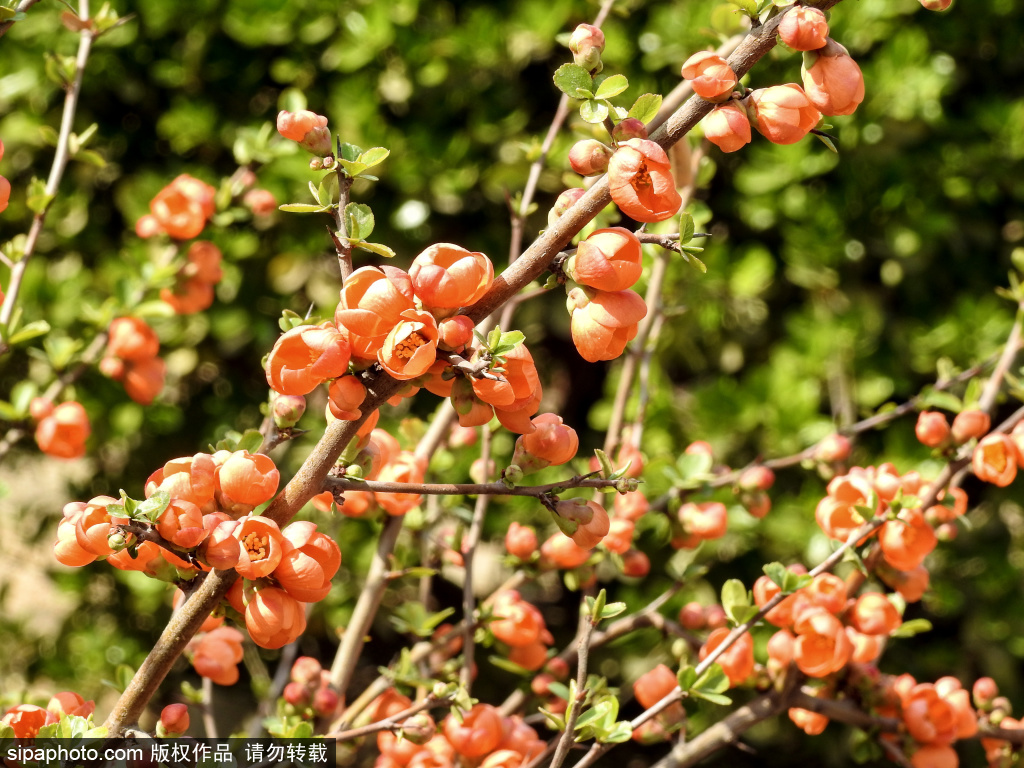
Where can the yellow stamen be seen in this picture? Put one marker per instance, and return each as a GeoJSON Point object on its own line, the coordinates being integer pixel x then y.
{"type": "Point", "coordinates": [407, 346]}
{"type": "Point", "coordinates": [257, 547]}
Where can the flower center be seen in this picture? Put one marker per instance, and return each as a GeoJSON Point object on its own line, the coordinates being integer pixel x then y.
{"type": "Point", "coordinates": [407, 346]}
{"type": "Point", "coordinates": [256, 546]}
{"type": "Point", "coordinates": [642, 178]}
{"type": "Point", "coordinates": [995, 457]}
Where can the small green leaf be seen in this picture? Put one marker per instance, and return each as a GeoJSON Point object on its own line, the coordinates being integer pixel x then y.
{"type": "Point", "coordinates": [509, 666]}
{"type": "Point", "coordinates": [620, 733]}
{"type": "Point", "coordinates": [611, 86]}
{"type": "Point", "coordinates": [91, 157]}
{"type": "Point", "coordinates": [37, 199]}
{"type": "Point", "coordinates": [686, 228]}
{"type": "Point", "coordinates": [556, 721]}
{"type": "Point", "coordinates": [776, 572]}
{"type": "Point", "coordinates": [611, 610]}
{"type": "Point", "coordinates": [352, 167]}
{"type": "Point", "coordinates": [792, 582]}
{"type": "Point", "coordinates": [21, 396]}
{"type": "Point", "coordinates": [374, 156]}
{"type": "Point", "coordinates": [827, 141]}
{"type": "Point", "coordinates": [358, 220]}
{"type": "Point", "coordinates": [569, 78]}
{"type": "Point", "coordinates": [377, 248]}
{"type": "Point", "coordinates": [593, 111]}
{"type": "Point", "coordinates": [912, 627]}
{"type": "Point", "coordinates": [687, 676]}
{"type": "Point", "coordinates": [155, 308]}
{"type": "Point", "coordinates": [251, 441]}
{"type": "Point", "coordinates": [30, 331]}
{"type": "Point", "coordinates": [936, 398]}
{"type": "Point", "coordinates": [748, 6]}
{"type": "Point", "coordinates": [734, 596]}
{"type": "Point", "coordinates": [153, 507]}
{"type": "Point", "coordinates": [300, 208]}
{"type": "Point", "coordinates": [646, 107]}
{"type": "Point", "coordinates": [559, 690]}
{"type": "Point", "coordinates": [349, 152]}
{"type": "Point", "coordinates": [714, 698]}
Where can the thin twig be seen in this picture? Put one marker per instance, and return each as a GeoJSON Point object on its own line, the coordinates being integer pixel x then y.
{"type": "Point", "coordinates": [389, 723]}
{"type": "Point", "coordinates": [340, 238]}
{"type": "Point", "coordinates": [583, 653]}
{"type": "Point", "coordinates": [467, 489]}
{"type": "Point", "coordinates": [468, 558]}
{"type": "Point", "coordinates": [60, 161]}
{"type": "Point", "coordinates": [209, 721]}
{"type": "Point", "coordinates": [995, 382]}
{"type": "Point", "coordinates": [25, 5]}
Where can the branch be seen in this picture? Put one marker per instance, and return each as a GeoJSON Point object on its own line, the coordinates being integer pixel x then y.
{"type": "Point", "coordinates": [341, 244]}
{"type": "Point", "coordinates": [469, 555]}
{"type": "Point", "coordinates": [992, 386]}
{"type": "Point", "coordinates": [467, 489]}
{"type": "Point", "coordinates": [392, 723]}
{"type": "Point", "coordinates": [60, 161]}
{"type": "Point", "coordinates": [568, 735]}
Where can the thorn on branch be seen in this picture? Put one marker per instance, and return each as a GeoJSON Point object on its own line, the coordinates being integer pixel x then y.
{"type": "Point", "coordinates": [477, 370]}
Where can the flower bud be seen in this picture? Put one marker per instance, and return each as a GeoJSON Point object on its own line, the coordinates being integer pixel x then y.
{"type": "Point", "coordinates": [804, 28]}
{"type": "Point", "coordinates": [521, 541]}
{"type": "Point", "coordinates": [691, 616]}
{"type": "Point", "coordinates": [288, 409]}
{"type": "Point", "coordinates": [419, 729]}
{"type": "Point", "coordinates": [970, 424]}
{"type": "Point", "coordinates": [833, 80]}
{"type": "Point", "coordinates": [936, 5]}
{"type": "Point", "coordinates": [454, 333]}
{"type": "Point", "coordinates": [727, 127]}
{"type": "Point", "coordinates": [710, 75]}
{"type": "Point", "coordinates": [784, 113]}
{"type": "Point", "coordinates": [635, 564]}
{"type": "Point", "coordinates": [513, 474]}
{"type": "Point", "coordinates": [116, 541]}
{"type": "Point", "coordinates": [589, 157]}
{"type": "Point", "coordinates": [984, 692]}
{"type": "Point", "coordinates": [833, 448]}
{"type": "Point", "coordinates": [40, 408]}
{"type": "Point", "coordinates": [586, 44]}
{"type": "Point", "coordinates": [306, 671]}
{"type": "Point", "coordinates": [297, 695]}
{"type": "Point", "coordinates": [565, 201]}
{"type": "Point", "coordinates": [629, 128]}
{"type": "Point", "coordinates": [932, 428]}
{"type": "Point", "coordinates": [325, 702]}
{"type": "Point", "coordinates": [173, 721]}
{"type": "Point", "coordinates": [758, 478]}
{"type": "Point", "coordinates": [307, 128]}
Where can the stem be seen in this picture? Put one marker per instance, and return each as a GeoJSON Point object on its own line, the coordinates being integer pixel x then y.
{"type": "Point", "coordinates": [389, 723]}
{"type": "Point", "coordinates": [209, 721]}
{"type": "Point", "coordinates": [60, 161]}
{"type": "Point", "coordinates": [25, 5]}
{"type": "Point", "coordinates": [468, 556]}
{"type": "Point", "coordinates": [565, 743]}
{"type": "Point", "coordinates": [467, 489]}
{"type": "Point", "coordinates": [341, 244]}
{"type": "Point", "coordinates": [995, 382]}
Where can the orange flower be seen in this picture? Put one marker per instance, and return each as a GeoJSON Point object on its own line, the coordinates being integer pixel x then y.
{"type": "Point", "coordinates": [727, 127]}
{"type": "Point", "coordinates": [245, 479]}
{"type": "Point", "coordinates": [517, 385]}
{"type": "Point", "coordinates": [66, 549]}
{"type": "Point", "coordinates": [5, 193]}
{"type": "Point", "coordinates": [711, 76]}
{"type": "Point", "coordinates": [517, 622]}
{"type": "Point", "coordinates": [707, 520]}
{"type": "Point", "coordinates": [478, 734]}
{"type": "Point", "coordinates": [822, 645]}
{"type": "Point", "coordinates": [182, 524]}
{"type": "Point", "coordinates": [552, 443]}
{"type": "Point", "coordinates": [906, 542]}
{"type": "Point", "coordinates": [93, 526]}
{"type": "Point", "coordinates": [631, 506]}
{"type": "Point", "coordinates": [828, 591]}
{"type": "Point", "coordinates": [307, 128]}
{"type": "Point", "coordinates": [131, 338]}
{"type": "Point", "coordinates": [968, 424]}
{"type": "Point", "coordinates": [737, 661]}
{"type": "Point", "coordinates": [309, 561]}
{"type": "Point", "coordinates": [62, 433]}
{"type": "Point", "coordinates": [192, 478]}
{"type": "Point", "coordinates": [959, 699]}
{"type": "Point", "coordinates": [932, 428]}
{"type": "Point", "coordinates": [807, 721]}
{"type": "Point", "coordinates": [216, 654]}
{"type": "Point", "coordinates": [305, 357]}
{"type": "Point", "coordinates": [635, 564]}
{"type": "Point", "coordinates": [929, 718]}
{"type": "Point", "coordinates": [640, 181]}
{"type": "Point", "coordinates": [562, 552]}
{"type": "Point", "coordinates": [782, 614]}
{"type": "Point", "coordinates": [602, 322]}
{"type": "Point", "coordinates": [586, 521]}
{"type": "Point", "coordinates": [784, 113]}
{"type": "Point", "coordinates": [780, 650]}
{"type": "Point", "coordinates": [620, 535]}
{"type": "Point", "coordinates": [804, 28]}
{"type": "Point", "coordinates": [935, 755]}
{"type": "Point", "coordinates": [653, 686]}
{"type": "Point", "coordinates": [608, 260]}
{"type": "Point", "coordinates": [372, 301]}
{"type": "Point", "coordinates": [144, 379]}
{"type": "Point", "coordinates": [833, 82]}
{"type": "Point", "coordinates": [447, 276]}
{"type": "Point", "coordinates": [874, 614]}
{"type": "Point", "coordinates": [174, 720]}
{"type": "Point", "coordinates": [995, 459]}
{"type": "Point", "coordinates": [406, 468]}
{"type": "Point", "coordinates": [187, 298]}
{"type": "Point", "coordinates": [26, 720]}
{"type": "Point", "coordinates": [274, 618]}
{"type": "Point", "coordinates": [183, 206]}
{"type": "Point", "coordinates": [410, 348]}
{"type": "Point", "coordinates": [521, 541]}
{"type": "Point", "coordinates": [262, 547]}
{"type": "Point", "coordinates": [70, 703]}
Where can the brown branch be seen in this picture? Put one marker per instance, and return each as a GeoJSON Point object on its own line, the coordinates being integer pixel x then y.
{"type": "Point", "coordinates": [467, 489]}
{"type": "Point", "coordinates": [583, 652]}
{"type": "Point", "coordinates": [988, 396]}
{"type": "Point", "coordinates": [392, 723]}
{"type": "Point", "coordinates": [469, 556]}
{"type": "Point", "coordinates": [341, 245]}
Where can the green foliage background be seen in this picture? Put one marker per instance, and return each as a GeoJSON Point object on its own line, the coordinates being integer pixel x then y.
{"type": "Point", "coordinates": [836, 285]}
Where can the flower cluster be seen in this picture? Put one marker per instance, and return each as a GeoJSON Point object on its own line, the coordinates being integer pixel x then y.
{"type": "Point", "coordinates": [26, 719]}
{"type": "Point", "coordinates": [181, 209]}
{"type": "Point", "coordinates": [309, 688]}
{"type": "Point", "coordinates": [61, 431]}
{"type": "Point", "coordinates": [194, 283]}
{"type": "Point", "coordinates": [131, 358]}
{"type": "Point", "coordinates": [784, 114]}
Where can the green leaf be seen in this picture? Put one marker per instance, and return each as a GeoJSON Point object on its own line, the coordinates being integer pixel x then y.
{"type": "Point", "coordinates": [251, 441]}
{"type": "Point", "coordinates": [646, 107]}
{"type": "Point", "coordinates": [734, 595]}
{"type": "Point", "coordinates": [374, 156]}
{"type": "Point", "coordinates": [559, 690]}
{"type": "Point", "coordinates": [155, 308]}
{"type": "Point", "coordinates": [358, 220]}
{"type": "Point", "coordinates": [935, 398]}
{"type": "Point", "coordinates": [570, 78]}
{"type": "Point", "coordinates": [91, 157]}
{"type": "Point", "coordinates": [714, 698]}
{"type": "Point", "coordinates": [611, 610]}
{"type": "Point", "coordinates": [711, 685]}
{"type": "Point", "coordinates": [509, 666]}
{"type": "Point", "coordinates": [507, 342]}
{"type": "Point", "coordinates": [37, 199]}
{"type": "Point", "coordinates": [912, 627]}
{"type": "Point", "coordinates": [748, 6]}
{"type": "Point", "coordinates": [686, 228]}
{"type": "Point", "coordinates": [300, 208]}
{"type": "Point", "coordinates": [776, 572]}
{"type": "Point", "coordinates": [352, 167]}
{"type": "Point", "coordinates": [327, 191]}
{"type": "Point", "coordinates": [21, 396]}
{"type": "Point", "coordinates": [827, 141]}
{"type": "Point", "coordinates": [153, 507]}
{"type": "Point", "coordinates": [687, 676]}
{"type": "Point", "coordinates": [611, 86]}
{"type": "Point", "coordinates": [30, 331]}
{"type": "Point", "coordinates": [594, 111]}
{"type": "Point", "coordinates": [621, 732]}
{"type": "Point", "coordinates": [795, 581]}
{"type": "Point", "coordinates": [349, 152]}
{"type": "Point", "coordinates": [376, 248]}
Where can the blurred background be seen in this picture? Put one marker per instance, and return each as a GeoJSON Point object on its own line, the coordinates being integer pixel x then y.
{"type": "Point", "coordinates": [836, 286]}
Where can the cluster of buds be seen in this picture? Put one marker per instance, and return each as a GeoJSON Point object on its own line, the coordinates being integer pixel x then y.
{"type": "Point", "coordinates": [131, 358]}
{"type": "Point", "coordinates": [309, 689]}
{"type": "Point", "coordinates": [409, 323]}
{"type": "Point", "coordinates": [181, 209]}
{"type": "Point", "coordinates": [5, 185]}
{"type": "Point", "coordinates": [832, 85]}
{"type": "Point", "coordinates": [61, 431]}
{"type": "Point", "coordinates": [481, 737]}
{"type": "Point", "coordinates": [26, 719]}
{"type": "Point", "coordinates": [194, 283]}
{"type": "Point", "coordinates": [996, 456]}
